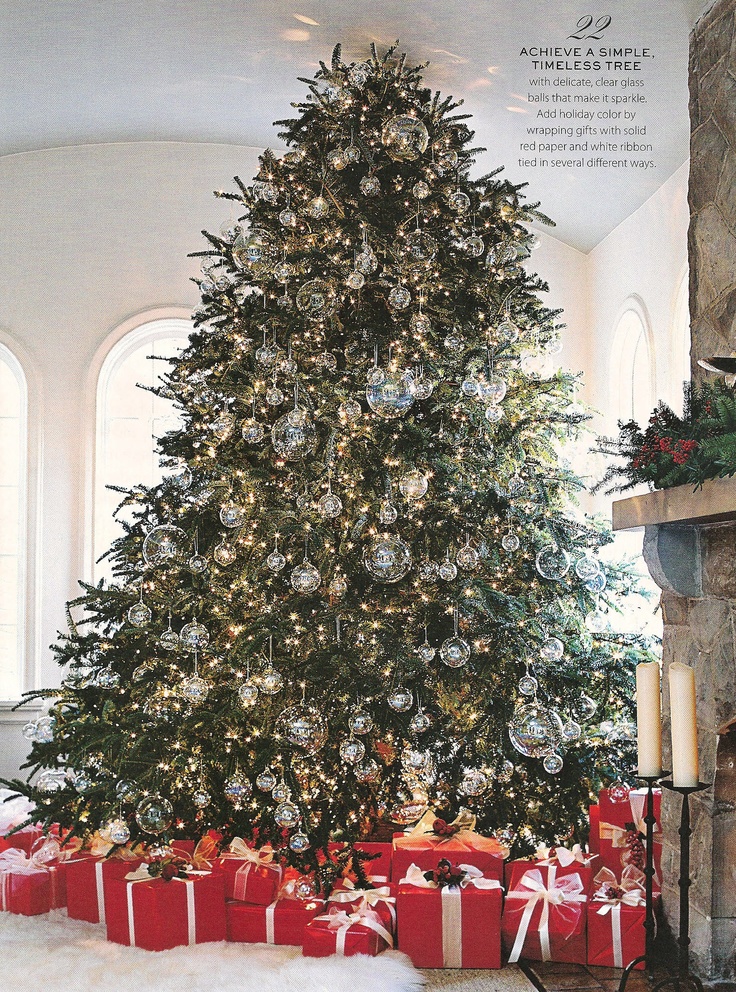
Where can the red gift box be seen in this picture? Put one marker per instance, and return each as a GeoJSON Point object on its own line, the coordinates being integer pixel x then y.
{"type": "Point", "coordinates": [28, 887]}
{"type": "Point", "coordinates": [564, 861]}
{"type": "Point", "coordinates": [423, 847]}
{"type": "Point", "coordinates": [250, 876]}
{"type": "Point", "coordinates": [380, 867]}
{"type": "Point", "coordinates": [381, 899]}
{"type": "Point", "coordinates": [614, 816]}
{"type": "Point", "coordinates": [594, 817]}
{"type": "Point", "coordinates": [616, 912]}
{"type": "Point", "coordinates": [283, 922]}
{"type": "Point", "coordinates": [156, 915]}
{"type": "Point", "coordinates": [544, 917]}
{"type": "Point", "coordinates": [24, 840]}
{"type": "Point", "coordinates": [346, 934]}
{"type": "Point", "coordinates": [450, 927]}
{"type": "Point", "coordinates": [87, 880]}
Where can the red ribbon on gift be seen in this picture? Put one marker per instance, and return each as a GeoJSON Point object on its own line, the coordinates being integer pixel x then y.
{"type": "Point", "coordinates": [632, 884]}
{"type": "Point", "coordinates": [564, 894]}
{"type": "Point", "coordinates": [337, 919]}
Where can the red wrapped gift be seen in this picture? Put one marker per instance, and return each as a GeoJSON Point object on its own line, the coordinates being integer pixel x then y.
{"type": "Point", "coordinates": [544, 918]}
{"type": "Point", "coordinates": [616, 934]}
{"type": "Point", "coordinates": [565, 861]}
{"type": "Point", "coordinates": [453, 926]}
{"type": "Point", "coordinates": [156, 915]}
{"type": "Point", "coordinates": [24, 839]}
{"type": "Point", "coordinates": [379, 868]}
{"type": "Point", "coordinates": [283, 922]}
{"type": "Point", "coordinates": [87, 879]}
{"type": "Point", "coordinates": [28, 886]}
{"type": "Point", "coordinates": [382, 899]}
{"type": "Point", "coordinates": [594, 817]}
{"type": "Point", "coordinates": [346, 934]}
{"type": "Point", "coordinates": [250, 876]}
{"type": "Point", "coordinates": [432, 839]}
{"type": "Point", "coordinates": [618, 818]}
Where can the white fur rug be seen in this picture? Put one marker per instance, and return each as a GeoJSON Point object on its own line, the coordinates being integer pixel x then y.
{"type": "Point", "coordinates": [55, 954]}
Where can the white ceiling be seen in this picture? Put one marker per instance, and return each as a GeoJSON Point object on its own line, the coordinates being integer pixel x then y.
{"type": "Point", "coordinates": [79, 72]}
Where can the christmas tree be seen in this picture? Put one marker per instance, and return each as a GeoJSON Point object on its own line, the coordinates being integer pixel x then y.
{"type": "Point", "coordinates": [363, 588]}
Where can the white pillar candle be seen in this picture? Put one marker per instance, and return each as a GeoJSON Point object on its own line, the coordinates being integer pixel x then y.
{"type": "Point", "coordinates": [684, 726]}
{"type": "Point", "coordinates": [648, 719]}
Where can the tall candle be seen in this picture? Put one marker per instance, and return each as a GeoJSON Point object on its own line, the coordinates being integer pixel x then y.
{"type": "Point", "coordinates": [684, 726]}
{"type": "Point", "coordinates": [648, 719]}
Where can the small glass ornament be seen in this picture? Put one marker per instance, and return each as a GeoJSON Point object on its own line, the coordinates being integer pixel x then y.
{"type": "Point", "coordinates": [329, 506]}
{"type": "Point", "coordinates": [369, 186]}
{"type": "Point", "coordinates": [29, 730]}
{"type": "Point", "coordinates": [252, 431]}
{"type": "Point", "coordinates": [553, 763]}
{"type": "Point", "coordinates": [494, 414]}
{"type": "Point", "coordinates": [316, 299]}
{"type": "Point", "coordinates": [266, 780]}
{"type": "Point", "coordinates": [283, 271]}
{"type": "Point", "coordinates": [359, 73]}
{"type": "Point", "coordinates": [222, 426]}
{"type": "Point", "coordinates": [619, 792]}
{"type": "Point", "coordinates": [356, 280]}
{"type": "Point", "coordinates": [126, 791]}
{"type": "Point", "coordinates": [304, 726]}
{"type": "Point", "coordinates": [276, 561]}
{"type": "Point", "coordinates": [531, 731]}
{"type": "Point", "coordinates": [118, 831]}
{"type": "Point", "coordinates": [454, 342]}
{"type": "Point", "coordinates": [154, 815]}
{"type": "Point", "coordinates": [271, 682]}
{"type": "Point", "coordinates": [338, 587]}
{"type": "Point", "coordinates": [455, 652]}
{"type": "Point", "coordinates": [318, 207]}
{"type": "Point", "coordinates": [552, 649]}
{"type": "Point", "coordinates": [274, 396]}
{"type": "Point", "coordinates": [468, 558]}
{"type": "Point", "coordinates": [422, 387]}
{"type": "Point", "coordinates": [421, 190]}
{"type": "Point", "coordinates": [79, 780]}
{"type": "Point", "coordinates": [420, 324]}
{"type": "Point", "coordinates": [414, 760]}
{"type": "Point", "coordinates": [413, 484]}
{"type": "Point", "coordinates": [366, 262]}
{"type": "Point", "coordinates": [447, 570]}
{"type": "Point", "coordinates": [507, 332]}
{"type": "Point", "coordinates": [596, 583]}
{"type": "Point", "coordinates": [387, 513]}
{"type": "Point", "coordinates": [327, 361]}
{"type": "Point", "coordinates": [267, 354]}
{"type": "Point", "coordinates": [408, 811]}
{"type": "Point", "coordinates": [572, 731]}
{"type": "Point", "coordinates": [52, 781]}
{"type": "Point", "coordinates": [428, 570]}
{"type": "Point", "coordinates": [281, 792]}
{"type": "Point", "coordinates": [224, 554]}
{"type": "Point", "coordinates": [291, 440]}
{"type": "Point", "coordinates": [553, 346]}
{"type": "Point", "coordinates": [287, 218]}
{"type": "Point", "coordinates": [238, 787]}
{"type": "Point", "coordinates": [459, 202]}
{"type": "Point", "coordinates": [400, 699]}
{"type": "Point", "coordinates": [368, 771]}
{"type": "Point", "coordinates": [194, 689]}
{"type": "Point", "coordinates": [305, 578]}
{"type": "Point", "coordinates": [552, 562]}
{"type": "Point", "coordinates": [387, 558]}
{"type": "Point", "coordinates": [586, 707]}
{"type": "Point", "coordinates": [201, 798]}
{"type": "Point", "coordinates": [305, 888]}
{"type": "Point", "coordinates": [422, 247]}
{"type": "Point", "coordinates": [287, 815]}
{"type": "Point", "coordinates": [505, 771]}
{"type": "Point", "coordinates": [139, 615]}
{"type": "Point", "coordinates": [596, 621]}
{"type": "Point", "coordinates": [360, 722]}
{"type": "Point", "coordinates": [469, 387]}
{"type": "Point", "coordinates": [447, 158]}
{"type": "Point", "coordinates": [197, 564]}
{"type": "Point", "coordinates": [194, 636]}
{"type": "Point", "coordinates": [510, 542]}
{"type": "Point", "coordinates": [586, 567]}
{"type": "Point", "coordinates": [352, 751]}
{"type": "Point", "coordinates": [247, 694]}
{"type": "Point", "coordinates": [404, 138]}
{"type": "Point", "coordinates": [528, 685]}
{"type": "Point", "coordinates": [474, 782]}
{"type": "Point", "coordinates": [351, 411]}
{"type": "Point", "coordinates": [232, 515]}
{"type": "Point", "coordinates": [45, 725]}
{"type": "Point", "coordinates": [337, 159]}
{"type": "Point", "coordinates": [399, 298]}
{"type": "Point", "coordinates": [420, 722]}
{"type": "Point", "coordinates": [107, 678]}
{"type": "Point", "coordinates": [492, 389]}
{"type": "Point", "coordinates": [375, 376]}
{"type": "Point", "coordinates": [266, 192]}
{"type": "Point", "coordinates": [299, 842]}
{"type": "Point", "coordinates": [426, 652]}
{"type": "Point", "coordinates": [352, 153]}
{"type": "Point", "coordinates": [181, 476]}
{"type": "Point", "coordinates": [474, 246]}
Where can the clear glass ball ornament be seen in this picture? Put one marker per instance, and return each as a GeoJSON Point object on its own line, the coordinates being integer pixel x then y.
{"type": "Point", "coordinates": [572, 731]}
{"type": "Point", "coordinates": [387, 513]}
{"type": "Point", "coordinates": [586, 567]}
{"type": "Point", "coordinates": [531, 730]}
{"type": "Point", "coordinates": [194, 636]}
{"type": "Point", "coordinates": [266, 192]}
{"type": "Point", "coordinates": [287, 218]}
{"type": "Point", "coordinates": [238, 787]}
{"type": "Point", "coordinates": [181, 476]}
{"type": "Point", "coordinates": [327, 361]}
{"type": "Point", "coordinates": [291, 440]}
{"type": "Point", "coordinates": [474, 782]}
{"type": "Point", "coordinates": [404, 138]}
{"type": "Point", "coordinates": [126, 791]}
{"type": "Point", "coordinates": [359, 73]}
{"type": "Point", "coordinates": [106, 678]}
{"type": "Point", "coordinates": [194, 689]}
{"type": "Point", "coordinates": [454, 342]}
{"type": "Point", "coordinates": [553, 763]}
{"type": "Point", "coordinates": [352, 751]}
{"type": "Point", "coordinates": [356, 280]}
{"type": "Point", "coordinates": [197, 564]}
{"type": "Point", "coordinates": [45, 725]}
{"type": "Point", "coordinates": [585, 707]}
{"type": "Point", "coordinates": [299, 842]}
{"type": "Point", "coordinates": [283, 271]}
{"type": "Point", "coordinates": [370, 186]}
{"type": "Point", "coordinates": [318, 208]}
{"type": "Point", "coordinates": [368, 771]}
{"type": "Point", "coordinates": [316, 299]}
{"type": "Point", "coordinates": [413, 484]}
{"type": "Point", "coordinates": [232, 515]}
{"type": "Point", "coordinates": [459, 202]}
{"type": "Point", "coordinates": [414, 760]}
{"type": "Point", "coordinates": [505, 771]}
{"type": "Point", "coordinates": [400, 699]}
{"type": "Point", "coordinates": [422, 247]}
{"type": "Point", "coordinates": [276, 561]}
{"type": "Point", "coordinates": [305, 888]}
{"type": "Point", "coordinates": [224, 554]}
{"type": "Point", "coordinates": [552, 562]}
{"type": "Point", "coordinates": [420, 722]}
{"type": "Point", "coordinates": [366, 261]}
{"type": "Point", "coordinates": [52, 781]}
{"type": "Point", "coordinates": [422, 388]}
{"type": "Point", "coordinates": [447, 158]}
{"type": "Point", "coordinates": [329, 506]}
{"type": "Point", "coordinates": [337, 159]}
{"type": "Point", "coordinates": [492, 389]}
{"type": "Point", "coordinates": [426, 652]}
{"type": "Point", "coordinates": [510, 543]}
{"type": "Point", "coordinates": [375, 376]}
{"type": "Point", "coordinates": [118, 831]}
{"type": "Point", "coordinates": [360, 722]}
{"type": "Point", "coordinates": [399, 298]}
{"type": "Point", "coordinates": [352, 154]}
{"type": "Point", "coordinates": [387, 558]}
{"type": "Point", "coordinates": [447, 570]}
{"type": "Point", "coordinates": [304, 726]}
{"type": "Point", "coordinates": [201, 798]}
{"type": "Point", "coordinates": [266, 780]}
{"type": "Point", "coordinates": [467, 558]}
{"type": "Point", "coordinates": [29, 730]}
{"type": "Point", "coordinates": [596, 621]}
{"type": "Point", "coordinates": [420, 324]}
{"type": "Point", "coordinates": [536, 365]}
{"type": "Point", "coordinates": [552, 649]}
{"type": "Point", "coordinates": [267, 354]}
{"type": "Point", "coordinates": [287, 815]}
{"type": "Point", "coordinates": [494, 414]}
{"type": "Point", "coordinates": [619, 792]}
{"type": "Point", "coordinates": [507, 332]}
{"type": "Point", "coordinates": [474, 246]}
{"type": "Point", "coordinates": [79, 779]}
{"type": "Point", "coordinates": [421, 190]}
{"type": "Point", "coordinates": [469, 387]}
{"type": "Point", "coordinates": [252, 432]}
{"type": "Point", "coordinates": [154, 814]}
{"type": "Point", "coordinates": [596, 583]}
{"type": "Point", "coordinates": [274, 396]}
{"type": "Point", "coordinates": [455, 652]}
{"type": "Point", "coordinates": [428, 570]}
{"type": "Point", "coordinates": [338, 587]}
{"type": "Point", "coordinates": [281, 792]}
{"type": "Point", "coordinates": [528, 685]}
{"type": "Point", "coordinates": [351, 410]}
{"type": "Point", "coordinates": [139, 615]}
{"type": "Point", "coordinates": [271, 682]}
{"type": "Point", "coordinates": [305, 578]}
{"type": "Point", "coordinates": [247, 694]}
{"type": "Point", "coordinates": [223, 425]}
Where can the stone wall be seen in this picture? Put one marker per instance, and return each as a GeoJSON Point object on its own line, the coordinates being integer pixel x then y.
{"type": "Point", "coordinates": [712, 190]}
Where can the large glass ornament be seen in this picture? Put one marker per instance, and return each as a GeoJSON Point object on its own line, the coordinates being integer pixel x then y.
{"type": "Point", "coordinates": [455, 652]}
{"type": "Point", "coordinates": [118, 831]}
{"type": "Point", "coordinates": [318, 207]}
{"type": "Point", "coordinates": [474, 782]}
{"type": "Point", "coordinates": [164, 543]}
{"type": "Point", "coordinates": [368, 771]}
{"type": "Point", "coordinates": [304, 726]}
{"type": "Point", "coordinates": [195, 689]}
{"type": "Point", "coordinates": [360, 722]}
{"type": "Point", "coordinates": [586, 567]}
{"type": "Point", "coordinates": [404, 138]}
{"type": "Point", "coordinates": [352, 751]}
{"type": "Point", "coordinates": [238, 787]}
{"type": "Point", "coordinates": [492, 389]}
{"type": "Point", "coordinates": [421, 246]}
{"type": "Point", "coordinates": [413, 484]}
{"type": "Point", "coordinates": [400, 699]}
{"type": "Point", "coordinates": [50, 781]}
{"type": "Point", "coordinates": [154, 814]}
{"type": "Point", "coordinates": [305, 578]}
{"type": "Point", "coordinates": [387, 558]}
{"type": "Point", "coordinates": [393, 396]}
{"type": "Point", "coordinates": [531, 730]}
{"type": "Point", "coordinates": [316, 299]}
{"type": "Point", "coordinates": [194, 636]}
{"type": "Point", "coordinates": [552, 562]}
{"type": "Point", "coordinates": [287, 815]}
{"type": "Point", "coordinates": [232, 515]}
{"type": "Point", "coordinates": [399, 298]}
{"type": "Point", "coordinates": [294, 435]}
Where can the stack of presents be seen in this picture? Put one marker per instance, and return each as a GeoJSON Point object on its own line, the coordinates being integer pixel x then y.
{"type": "Point", "coordinates": [441, 893]}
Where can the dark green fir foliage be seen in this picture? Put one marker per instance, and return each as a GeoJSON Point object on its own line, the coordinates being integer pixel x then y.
{"type": "Point", "coordinates": [673, 450]}
{"type": "Point", "coordinates": [386, 294]}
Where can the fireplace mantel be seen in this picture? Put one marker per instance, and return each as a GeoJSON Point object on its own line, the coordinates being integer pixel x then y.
{"type": "Point", "coordinates": [714, 502]}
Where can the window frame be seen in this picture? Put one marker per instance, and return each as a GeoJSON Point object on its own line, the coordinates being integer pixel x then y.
{"type": "Point", "coordinates": [622, 359]}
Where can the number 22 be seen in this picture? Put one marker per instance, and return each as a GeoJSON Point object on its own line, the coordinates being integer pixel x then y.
{"type": "Point", "coordinates": [585, 23]}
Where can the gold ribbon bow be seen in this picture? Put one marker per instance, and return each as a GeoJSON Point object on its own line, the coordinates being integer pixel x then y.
{"type": "Point", "coordinates": [240, 849]}
{"type": "Point", "coordinates": [463, 821]}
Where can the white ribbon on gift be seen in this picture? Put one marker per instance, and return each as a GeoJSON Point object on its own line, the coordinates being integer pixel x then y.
{"type": "Point", "coordinates": [562, 856]}
{"type": "Point", "coordinates": [617, 834]}
{"type": "Point", "coordinates": [452, 911]}
{"type": "Point", "coordinates": [556, 892]}
{"type": "Point", "coordinates": [142, 874]}
{"type": "Point", "coordinates": [632, 881]}
{"type": "Point", "coordinates": [264, 857]}
{"type": "Point", "coordinates": [338, 919]}
{"type": "Point", "coordinates": [365, 897]}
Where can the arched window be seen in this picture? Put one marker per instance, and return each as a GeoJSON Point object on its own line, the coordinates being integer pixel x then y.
{"type": "Point", "coordinates": [13, 527]}
{"type": "Point", "coordinates": [632, 377]}
{"type": "Point", "coordinates": [129, 420]}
